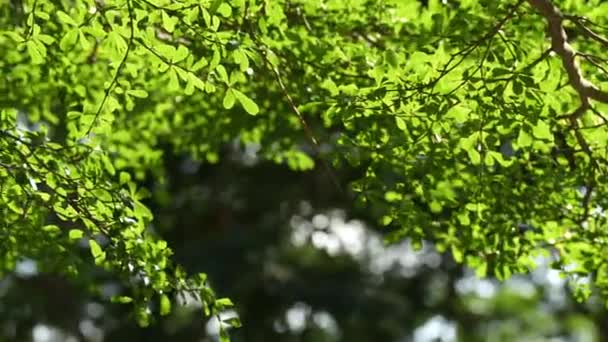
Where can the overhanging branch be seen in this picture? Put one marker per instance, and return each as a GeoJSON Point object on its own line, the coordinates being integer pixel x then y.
{"type": "Point", "coordinates": [560, 45]}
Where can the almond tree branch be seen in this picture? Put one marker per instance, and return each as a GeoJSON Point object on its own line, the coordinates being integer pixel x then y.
{"type": "Point", "coordinates": [559, 44]}
{"type": "Point", "coordinates": [586, 90]}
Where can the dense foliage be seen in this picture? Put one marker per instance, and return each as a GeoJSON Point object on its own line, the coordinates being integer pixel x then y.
{"type": "Point", "coordinates": [478, 126]}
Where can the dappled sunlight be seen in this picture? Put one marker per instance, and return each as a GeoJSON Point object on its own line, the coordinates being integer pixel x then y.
{"type": "Point", "coordinates": [333, 233]}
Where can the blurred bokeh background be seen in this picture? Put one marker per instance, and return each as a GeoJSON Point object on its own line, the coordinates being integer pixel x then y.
{"type": "Point", "coordinates": [302, 263]}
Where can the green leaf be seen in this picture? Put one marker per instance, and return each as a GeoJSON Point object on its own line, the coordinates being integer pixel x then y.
{"type": "Point", "coordinates": [223, 75]}
{"type": "Point", "coordinates": [189, 90]}
{"type": "Point", "coordinates": [224, 337]}
{"type": "Point", "coordinates": [124, 178]}
{"type": "Point", "coordinates": [457, 254]}
{"type": "Point", "coordinates": [386, 220]}
{"type": "Point", "coordinates": [209, 87]}
{"type": "Point", "coordinates": [224, 303]}
{"type": "Point", "coordinates": [51, 229]}
{"type": "Point", "coordinates": [400, 123]}
{"type": "Point", "coordinates": [169, 22]}
{"type": "Point", "coordinates": [229, 99]}
{"type": "Point", "coordinates": [13, 35]}
{"type": "Point", "coordinates": [224, 10]}
{"type": "Point", "coordinates": [173, 79]}
{"type": "Point", "coordinates": [69, 40]}
{"type": "Point", "coordinates": [247, 103]}
{"type": "Point", "coordinates": [542, 131]}
{"type": "Point", "coordinates": [98, 254]}
{"type": "Point", "coordinates": [196, 82]}
{"type": "Point", "coordinates": [75, 234]}
{"type": "Point", "coordinates": [42, 15]}
{"type": "Point", "coordinates": [166, 50]}
{"type": "Point", "coordinates": [458, 113]}
{"type": "Point", "coordinates": [121, 299]}
{"type": "Point", "coordinates": [108, 166]}
{"type": "Point", "coordinates": [393, 196]}
{"type": "Point", "coordinates": [240, 57]}
{"type": "Point", "coordinates": [118, 45]}
{"type": "Point", "coordinates": [46, 39]}
{"type": "Point", "coordinates": [234, 322]}
{"type": "Point", "coordinates": [330, 86]}
{"type": "Point", "coordinates": [497, 156]}
{"type": "Point", "coordinates": [215, 59]}
{"type": "Point", "coordinates": [488, 159]}
{"type": "Point", "coordinates": [34, 52]}
{"type": "Point", "coordinates": [142, 315]}
{"type": "Point", "coordinates": [464, 219]}
{"type": "Point", "coordinates": [181, 53]}
{"type": "Point", "coordinates": [165, 305]}
{"type": "Point", "coordinates": [215, 5]}
{"type": "Point", "coordinates": [201, 63]}
{"type": "Point", "coordinates": [523, 139]}
{"type": "Point", "coordinates": [474, 156]}
{"type": "Point", "coordinates": [65, 18]}
{"type": "Point", "coordinates": [138, 93]}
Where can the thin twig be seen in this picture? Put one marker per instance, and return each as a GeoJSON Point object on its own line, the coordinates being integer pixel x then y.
{"type": "Point", "coordinates": [448, 67]}
{"type": "Point", "coordinates": [309, 134]}
{"type": "Point", "coordinates": [118, 70]}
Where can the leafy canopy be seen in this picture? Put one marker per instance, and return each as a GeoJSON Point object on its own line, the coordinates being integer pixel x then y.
{"type": "Point", "coordinates": [478, 125]}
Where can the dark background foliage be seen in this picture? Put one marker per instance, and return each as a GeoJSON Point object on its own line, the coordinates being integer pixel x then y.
{"type": "Point", "coordinates": [334, 281]}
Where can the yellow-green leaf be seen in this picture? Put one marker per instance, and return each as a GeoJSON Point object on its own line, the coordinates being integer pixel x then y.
{"type": "Point", "coordinates": [98, 254]}
{"type": "Point", "coordinates": [65, 18]}
{"type": "Point", "coordinates": [165, 305]}
{"type": "Point", "coordinates": [138, 93]}
{"type": "Point", "coordinates": [229, 99]}
{"type": "Point", "coordinates": [523, 139]}
{"type": "Point", "coordinates": [225, 10]}
{"type": "Point", "coordinates": [34, 52]}
{"type": "Point", "coordinates": [248, 104]}
{"type": "Point", "coordinates": [75, 234]}
{"type": "Point", "coordinates": [542, 131]}
{"type": "Point", "coordinates": [69, 40]}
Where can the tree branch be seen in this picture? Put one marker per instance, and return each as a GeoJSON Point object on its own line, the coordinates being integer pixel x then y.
{"type": "Point", "coordinates": [559, 44]}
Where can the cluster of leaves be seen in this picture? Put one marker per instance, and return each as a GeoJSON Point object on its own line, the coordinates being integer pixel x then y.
{"type": "Point", "coordinates": [457, 112]}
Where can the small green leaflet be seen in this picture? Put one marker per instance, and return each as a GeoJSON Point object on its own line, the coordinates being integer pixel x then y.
{"type": "Point", "coordinates": [180, 54]}
{"type": "Point", "coordinates": [165, 305]}
{"type": "Point", "coordinates": [225, 10]}
{"type": "Point", "coordinates": [223, 303]}
{"type": "Point", "coordinates": [400, 123]}
{"type": "Point", "coordinates": [138, 93]}
{"type": "Point", "coordinates": [69, 40]}
{"type": "Point", "coordinates": [75, 234]}
{"type": "Point", "coordinates": [222, 74]}
{"type": "Point", "coordinates": [523, 139]}
{"type": "Point", "coordinates": [168, 21]}
{"type": "Point", "coordinates": [542, 131]}
{"type": "Point", "coordinates": [247, 103]}
{"type": "Point", "coordinates": [234, 322]}
{"type": "Point", "coordinates": [459, 113]}
{"type": "Point", "coordinates": [35, 53]}
{"type": "Point", "coordinates": [224, 337]}
{"type": "Point", "coordinates": [65, 18]}
{"type": "Point", "coordinates": [97, 252]}
{"type": "Point", "coordinates": [229, 99]}
{"type": "Point", "coordinates": [121, 299]}
{"type": "Point", "coordinates": [474, 156]}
